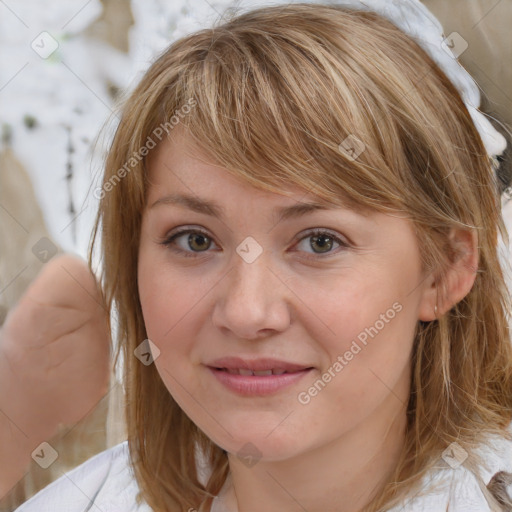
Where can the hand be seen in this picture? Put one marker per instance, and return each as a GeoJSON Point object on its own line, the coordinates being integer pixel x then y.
{"type": "Point", "coordinates": [54, 355]}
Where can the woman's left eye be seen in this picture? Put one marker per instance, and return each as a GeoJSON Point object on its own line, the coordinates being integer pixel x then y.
{"type": "Point", "coordinates": [197, 242]}
{"type": "Point", "coordinates": [321, 242]}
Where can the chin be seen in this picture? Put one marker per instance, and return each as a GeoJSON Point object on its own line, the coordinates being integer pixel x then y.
{"type": "Point", "coordinates": [254, 445]}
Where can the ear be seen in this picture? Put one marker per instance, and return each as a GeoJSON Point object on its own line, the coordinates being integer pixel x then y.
{"type": "Point", "coordinates": [462, 255]}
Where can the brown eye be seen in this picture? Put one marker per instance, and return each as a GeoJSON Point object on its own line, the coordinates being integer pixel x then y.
{"type": "Point", "coordinates": [320, 242]}
{"type": "Point", "coordinates": [323, 242]}
{"type": "Point", "coordinates": [198, 242]}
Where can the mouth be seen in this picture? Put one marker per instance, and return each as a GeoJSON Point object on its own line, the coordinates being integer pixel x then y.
{"type": "Point", "coordinates": [257, 373]}
{"type": "Point", "coordinates": [257, 377]}
{"type": "Point", "coordinates": [258, 367]}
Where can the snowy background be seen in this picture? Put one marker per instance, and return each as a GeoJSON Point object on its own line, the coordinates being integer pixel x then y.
{"type": "Point", "coordinates": [57, 91]}
{"type": "Point", "coordinates": [54, 104]}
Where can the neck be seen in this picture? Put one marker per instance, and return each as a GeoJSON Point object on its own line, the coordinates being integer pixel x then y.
{"type": "Point", "coordinates": [343, 475]}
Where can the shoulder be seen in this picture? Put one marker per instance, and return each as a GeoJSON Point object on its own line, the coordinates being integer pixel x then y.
{"type": "Point", "coordinates": [104, 482]}
{"type": "Point", "coordinates": [454, 487]}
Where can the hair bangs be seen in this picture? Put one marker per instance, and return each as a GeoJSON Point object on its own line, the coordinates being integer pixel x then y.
{"type": "Point", "coordinates": [259, 119]}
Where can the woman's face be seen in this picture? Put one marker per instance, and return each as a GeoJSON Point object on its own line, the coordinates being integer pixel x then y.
{"type": "Point", "coordinates": [234, 279]}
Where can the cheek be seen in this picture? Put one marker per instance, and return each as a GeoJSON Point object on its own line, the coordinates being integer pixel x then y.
{"type": "Point", "coordinates": [361, 375]}
{"type": "Point", "coordinates": [355, 306]}
{"type": "Point", "coordinates": [171, 301]}
{"type": "Point", "coordinates": [167, 297]}
{"type": "Point", "coordinates": [364, 325]}
{"type": "Point", "coordinates": [166, 306]}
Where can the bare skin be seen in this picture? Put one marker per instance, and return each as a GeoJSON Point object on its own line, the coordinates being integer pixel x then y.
{"type": "Point", "coordinates": [54, 362]}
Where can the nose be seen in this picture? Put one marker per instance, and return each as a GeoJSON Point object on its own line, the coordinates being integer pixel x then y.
{"type": "Point", "coordinates": [252, 301]}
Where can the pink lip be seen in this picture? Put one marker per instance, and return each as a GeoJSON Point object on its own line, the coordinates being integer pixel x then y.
{"type": "Point", "coordinates": [256, 385]}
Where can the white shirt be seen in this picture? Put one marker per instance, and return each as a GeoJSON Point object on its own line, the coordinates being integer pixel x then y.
{"type": "Point", "coordinates": [105, 483]}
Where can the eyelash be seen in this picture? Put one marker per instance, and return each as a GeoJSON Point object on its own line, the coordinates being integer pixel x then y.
{"type": "Point", "coordinates": [169, 242]}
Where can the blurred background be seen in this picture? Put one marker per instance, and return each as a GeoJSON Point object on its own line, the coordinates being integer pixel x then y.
{"type": "Point", "coordinates": [63, 67]}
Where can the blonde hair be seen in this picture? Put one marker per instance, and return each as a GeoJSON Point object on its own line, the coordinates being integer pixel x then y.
{"type": "Point", "coordinates": [276, 91]}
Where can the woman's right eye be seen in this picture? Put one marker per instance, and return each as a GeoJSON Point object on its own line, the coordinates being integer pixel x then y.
{"type": "Point", "coordinates": [196, 242]}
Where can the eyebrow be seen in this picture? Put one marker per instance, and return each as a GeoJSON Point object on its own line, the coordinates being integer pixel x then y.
{"type": "Point", "coordinates": [208, 207]}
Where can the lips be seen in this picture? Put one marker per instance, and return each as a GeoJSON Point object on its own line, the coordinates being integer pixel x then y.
{"type": "Point", "coordinates": [259, 373]}
{"type": "Point", "coordinates": [257, 377]}
{"type": "Point", "coordinates": [256, 367]}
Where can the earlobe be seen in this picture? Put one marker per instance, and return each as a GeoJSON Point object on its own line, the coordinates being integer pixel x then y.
{"type": "Point", "coordinates": [442, 293]}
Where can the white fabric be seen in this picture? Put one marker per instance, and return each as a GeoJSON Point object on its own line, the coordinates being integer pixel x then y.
{"type": "Point", "coordinates": [105, 483]}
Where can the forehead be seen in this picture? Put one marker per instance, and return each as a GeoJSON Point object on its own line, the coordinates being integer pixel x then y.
{"type": "Point", "coordinates": [180, 172]}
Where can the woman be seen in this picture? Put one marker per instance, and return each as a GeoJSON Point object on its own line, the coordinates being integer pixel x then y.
{"type": "Point", "coordinates": [311, 307]}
